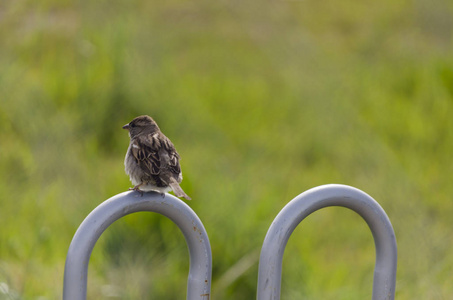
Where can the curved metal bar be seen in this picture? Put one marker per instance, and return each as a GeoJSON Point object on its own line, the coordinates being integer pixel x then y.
{"type": "Point", "coordinates": [270, 265]}
{"type": "Point", "coordinates": [76, 268]}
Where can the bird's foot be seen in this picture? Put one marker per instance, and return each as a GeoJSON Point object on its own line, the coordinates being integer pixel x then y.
{"type": "Point", "coordinates": [137, 189]}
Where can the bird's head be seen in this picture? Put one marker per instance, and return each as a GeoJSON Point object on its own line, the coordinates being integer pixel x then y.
{"type": "Point", "coordinates": [141, 125]}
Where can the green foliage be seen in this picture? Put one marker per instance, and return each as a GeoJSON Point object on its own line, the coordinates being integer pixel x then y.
{"type": "Point", "coordinates": [263, 101]}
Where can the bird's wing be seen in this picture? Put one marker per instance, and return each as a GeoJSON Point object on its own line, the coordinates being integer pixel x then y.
{"type": "Point", "coordinates": [156, 153]}
{"type": "Point", "coordinates": [169, 156]}
{"type": "Point", "coordinates": [146, 154]}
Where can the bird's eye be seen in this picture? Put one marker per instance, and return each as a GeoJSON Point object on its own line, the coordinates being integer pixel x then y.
{"type": "Point", "coordinates": [132, 125]}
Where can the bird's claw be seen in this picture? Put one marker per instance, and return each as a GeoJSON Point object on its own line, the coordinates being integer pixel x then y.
{"type": "Point", "coordinates": [137, 189]}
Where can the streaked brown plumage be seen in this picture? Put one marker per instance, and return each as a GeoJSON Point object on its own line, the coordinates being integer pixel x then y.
{"type": "Point", "coordinates": [151, 161]}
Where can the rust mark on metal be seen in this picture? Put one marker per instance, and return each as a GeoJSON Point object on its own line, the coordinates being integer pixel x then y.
{"type": "Point", "coordinates": [205, 296]}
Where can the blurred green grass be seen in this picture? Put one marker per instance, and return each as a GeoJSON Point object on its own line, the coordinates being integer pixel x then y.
{"type": "Point", "coordinates": [263, 100]}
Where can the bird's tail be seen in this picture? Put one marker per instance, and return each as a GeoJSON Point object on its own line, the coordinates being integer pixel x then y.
{"type": "Point", "coordinates": [178, 190]}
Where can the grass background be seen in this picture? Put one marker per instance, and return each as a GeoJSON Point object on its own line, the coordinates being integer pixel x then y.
{"type": "Point", "coordinates": [263, 100]}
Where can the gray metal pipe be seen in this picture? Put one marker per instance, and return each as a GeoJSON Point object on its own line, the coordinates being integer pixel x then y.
{"type": "Point", "coordinates": [270, 265]}
{"type": "Point", "coordinates": [76, 268]}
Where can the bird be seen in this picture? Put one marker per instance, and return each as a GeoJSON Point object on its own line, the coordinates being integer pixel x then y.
{"type": "Point", "coordinates": [152, 161]}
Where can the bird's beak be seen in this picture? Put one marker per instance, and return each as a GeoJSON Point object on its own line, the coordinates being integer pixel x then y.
{"type": "Point", "coordinates": [126, 126]}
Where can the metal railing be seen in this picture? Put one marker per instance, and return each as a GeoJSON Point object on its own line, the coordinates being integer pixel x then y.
{"type": "Point", "coordinates": [270, 265]}
{"type": "Point", "coordinates": [86, 236]}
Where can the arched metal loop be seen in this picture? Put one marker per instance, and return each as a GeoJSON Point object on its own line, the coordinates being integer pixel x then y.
{"type": "Point", "coordinates": [270, 265]}
{"type": "Point", "coordinates": [76, 268]}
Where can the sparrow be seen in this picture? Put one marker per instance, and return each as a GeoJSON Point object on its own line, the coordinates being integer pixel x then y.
{"type": "Point", "coordinates": [151, 161]}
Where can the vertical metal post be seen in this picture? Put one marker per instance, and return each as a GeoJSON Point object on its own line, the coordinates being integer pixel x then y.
{"type": "Point", "coordinates": [270, 265]}
{"type": "Point", "coordinates": [76, 268]}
